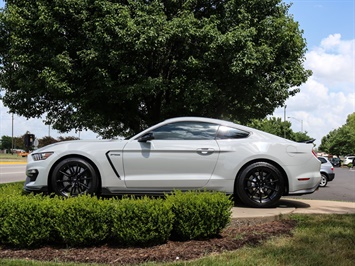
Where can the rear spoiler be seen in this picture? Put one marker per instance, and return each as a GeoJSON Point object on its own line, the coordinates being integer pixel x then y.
{"type": "Point", "coordinates": [307, 141]}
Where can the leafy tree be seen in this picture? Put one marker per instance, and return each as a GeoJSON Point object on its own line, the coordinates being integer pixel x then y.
{"type": "Point", "coordinates": [340, 141]}
{"type": "Point", "coordinates": [19, 142]}
{"type": "Point", "coordinates": [300, 136]}
{"type": "Point", "coordinates": [67, 138]}
{"type": "Point", "coordinates": [118, 66]}
{"type": "Point", "coordinates": [275, 126]}
{"type": "Point", "coordinates": [46, 141]}
{"type": "Point", "coordinates": [6, 143]}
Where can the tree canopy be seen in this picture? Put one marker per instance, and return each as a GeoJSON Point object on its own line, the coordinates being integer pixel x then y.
{"type": "Point", "coordinates": [117, 66]}
{"type": "Point", "coordinates": [283, 129]}
{"type": "Point", "coordinates": [340, 141]}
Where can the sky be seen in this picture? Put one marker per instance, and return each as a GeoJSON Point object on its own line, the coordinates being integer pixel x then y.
{"type": "Point", "coordinates": [324, 101]}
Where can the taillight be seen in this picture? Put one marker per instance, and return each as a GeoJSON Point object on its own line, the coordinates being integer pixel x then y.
{"type": "Point", "coordinates": [315, 154]}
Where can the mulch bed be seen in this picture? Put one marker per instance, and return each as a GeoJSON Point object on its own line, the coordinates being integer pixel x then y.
{"type": "Point", "coordinates": [235, 236]}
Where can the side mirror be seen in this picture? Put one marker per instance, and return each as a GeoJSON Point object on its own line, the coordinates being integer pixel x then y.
{"type": "Point", "coordinates": [146, 137]}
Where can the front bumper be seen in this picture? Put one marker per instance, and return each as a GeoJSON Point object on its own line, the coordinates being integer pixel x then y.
{"type": "Point", "coordinates": [29, 187]}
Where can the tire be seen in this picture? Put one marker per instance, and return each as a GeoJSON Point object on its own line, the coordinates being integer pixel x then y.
{"type": "Point", "coordinates": [260, 185]}
{"type": "Point", "coordinates": [323, 180]}
{"type": "Point", "coordinates": [73, 177]}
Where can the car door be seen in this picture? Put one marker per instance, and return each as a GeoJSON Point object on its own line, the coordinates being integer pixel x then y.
{"type": "Point", "coordinates": [180, 155]}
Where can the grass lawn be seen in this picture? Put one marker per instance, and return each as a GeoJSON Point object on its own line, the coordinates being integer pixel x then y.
{"type": "Point", "coordinates": [12, 157]}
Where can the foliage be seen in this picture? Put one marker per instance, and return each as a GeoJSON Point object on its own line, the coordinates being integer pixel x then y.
{"type": "Point", "coordinates": [141, 221]}
{"type": "Point", "coordinates": [340, 141]}
{"type": "Point", "coordinates": [273, 126]}
{"type": "Point", "coordinates": [200, 215]}
{"type": "Point", "coordinates": [82, 220]}
{"type": "Point", "coordinates": [35, 220]}
{"type": "Point", "coordinates": [47, 140]}
{"type": "Point", "coordinates": [116, 67]}
{"type": "Point", "coordinates": [6, 141]}
{"type": "Point", "coordinates": [276, 127]}
{"type": "Point", "coordinates": [300, 136]}
{"type": "Point", "coordinates": [22, 220]}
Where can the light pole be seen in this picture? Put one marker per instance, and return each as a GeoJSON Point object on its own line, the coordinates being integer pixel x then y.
{"type": "Point", "coordinates": [299, 120]}
{"type": "Point", "coordinates": [285, 120]}
{"type": "Point", "coordinates": [12, 133]}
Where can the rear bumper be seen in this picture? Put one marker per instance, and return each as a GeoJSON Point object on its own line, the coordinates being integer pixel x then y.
{"type": "Point", "coordinates": [331, 177]}
{"type": "Point", "coordinates": [304, 191]}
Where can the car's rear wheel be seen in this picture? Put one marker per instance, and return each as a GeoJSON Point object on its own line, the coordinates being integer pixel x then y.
{"type": "Point", "coordinates": [323, 180]}
{"type": "Point", "coordinates": [260, 185]}
{"type": "Point", "coordinates": [74, 176]}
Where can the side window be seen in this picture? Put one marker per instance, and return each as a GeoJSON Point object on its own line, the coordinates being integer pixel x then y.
{"type": "Point", "coordinates": [186, 131]}
{"type": "Point", "coordinates": [322, 160]}
{"type": "Point", "coordinates": [231, 133]}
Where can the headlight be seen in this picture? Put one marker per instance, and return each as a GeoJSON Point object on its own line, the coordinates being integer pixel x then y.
{"type": "Point", "coordinates": [41, 156]}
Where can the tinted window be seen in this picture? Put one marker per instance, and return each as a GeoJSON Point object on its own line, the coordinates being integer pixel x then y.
{"type": "Point", "coordinates": [322, 160]}
{"type": "Point", "coordinates": [231, 133]}
{"type": "Point", "coordinates": [186, 131]}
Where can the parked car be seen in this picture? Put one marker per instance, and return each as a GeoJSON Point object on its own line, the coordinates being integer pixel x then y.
{"type": "Point", "coordinates": [23, 154]}
{"type": "Point", "coordinates": [348, 160]}
{"type": "Point", "coordinates": [326, 170]}
{"type": "Point", "coordinates": [335, 161]}
{"type": "Point", "coordinates": [186, 153]}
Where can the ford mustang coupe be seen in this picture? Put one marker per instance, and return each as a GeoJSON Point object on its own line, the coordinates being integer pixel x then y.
{"type": "Point", "coordinates": [186, 153]}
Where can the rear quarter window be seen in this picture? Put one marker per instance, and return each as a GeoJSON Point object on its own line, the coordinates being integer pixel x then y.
{"type": "Point", "coordinates": [231, 133]}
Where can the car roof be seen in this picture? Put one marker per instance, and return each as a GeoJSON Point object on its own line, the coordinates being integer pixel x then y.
{"type": "Point", "coordinates": [201, 119]}
{"type": "Point", "coordinates": [220, 122]}
{"type": "Point", "coordinates": [213, 120]}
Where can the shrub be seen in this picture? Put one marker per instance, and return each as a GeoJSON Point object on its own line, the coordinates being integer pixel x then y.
{"type": "Point", "coordinates": [82, 220]}
{"type": "Point", "coordinates": [34, 220]}
{"type": "Point", "coordinates": [26, 221]}
{"type": "Point", "coordinates": [199, 215]}
{"type": "Point", "coordinates": [142, 221]}
{"type": "Point", "coordinates": [11, 189]}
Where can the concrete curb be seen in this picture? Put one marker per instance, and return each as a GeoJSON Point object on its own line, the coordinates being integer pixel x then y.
{"type": "Point", "coordinates": [288, 206]}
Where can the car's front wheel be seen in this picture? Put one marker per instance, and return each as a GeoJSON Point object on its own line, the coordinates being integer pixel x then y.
{"type": "Point", "coordinates": [323, 180]}
{"type": "Point", "coordinates": [74, 176]}
{"type": "Point", "coordinates": [260, 185]}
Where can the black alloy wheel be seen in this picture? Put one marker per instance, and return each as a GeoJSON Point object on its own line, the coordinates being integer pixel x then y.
{"type": "Point", "coordinates": [260, 185]}
{"type": "Point", "coordinates": [73, 177]}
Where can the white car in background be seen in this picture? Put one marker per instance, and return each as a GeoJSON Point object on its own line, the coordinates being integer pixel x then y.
{"type": "Point", "coordinates": [348, 160]}
{"type": "Point", "coordinates": [186, 153]}
{"type": "Point", "coordinates": [326, 171]}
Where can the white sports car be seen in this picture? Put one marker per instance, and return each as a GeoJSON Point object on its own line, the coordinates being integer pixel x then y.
{"type": "Point", "coordinates": [187, 153]}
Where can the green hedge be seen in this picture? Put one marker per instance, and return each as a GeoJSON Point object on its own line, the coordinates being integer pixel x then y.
{"type": "Point", "coordinates": [199, 215]}
{"type": "Point", "coordinates": [82, 221]}
{"type": "Point", "coordinates": [141, 221]}
{"type": "Point", "coordinates": [26, 221]}
{"type": "Point", "coordinates": [36, 220]}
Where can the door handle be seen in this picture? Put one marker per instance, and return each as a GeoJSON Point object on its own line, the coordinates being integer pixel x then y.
{"type": "Point", "coordinates": [205, 151]}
